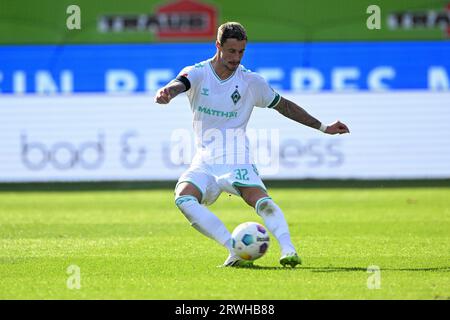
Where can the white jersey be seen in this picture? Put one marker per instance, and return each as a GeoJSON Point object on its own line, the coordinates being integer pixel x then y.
{"type": "Point", "coordinates": [222, 109]}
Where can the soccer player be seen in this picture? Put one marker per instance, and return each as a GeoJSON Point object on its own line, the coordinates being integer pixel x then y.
{"type": "Point", "coordinates": [222, 94]}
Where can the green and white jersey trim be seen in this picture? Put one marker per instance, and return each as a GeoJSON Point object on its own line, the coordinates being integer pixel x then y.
{"type": "Point", "coordinates": [275, 101]}
{"type": "Point", "coordinates": [217, 77]}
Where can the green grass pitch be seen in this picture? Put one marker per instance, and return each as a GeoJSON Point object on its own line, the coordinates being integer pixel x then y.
{"type": "Point", "coordinates": [135, 244]}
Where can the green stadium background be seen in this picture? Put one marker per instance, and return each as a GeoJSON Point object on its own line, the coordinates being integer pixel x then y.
{"type": "Point", "coordinates": [43, 22]}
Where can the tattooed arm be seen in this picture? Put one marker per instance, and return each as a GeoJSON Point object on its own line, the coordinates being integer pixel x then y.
{"type": "Point", "coordinates": [170, 91]}
{"type": "Point", "coordinates": [294, 112]}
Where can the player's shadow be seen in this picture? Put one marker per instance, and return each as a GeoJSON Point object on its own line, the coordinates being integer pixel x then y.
{"type": "Point", "coordinates": [347, 269]}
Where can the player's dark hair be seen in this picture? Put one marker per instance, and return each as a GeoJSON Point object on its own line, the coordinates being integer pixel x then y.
{"type": "Point", "coordinates": [231, 30]}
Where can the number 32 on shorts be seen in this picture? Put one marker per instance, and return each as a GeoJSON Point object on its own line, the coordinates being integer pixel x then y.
{"type": "Point", "coordinates": [241, 174]}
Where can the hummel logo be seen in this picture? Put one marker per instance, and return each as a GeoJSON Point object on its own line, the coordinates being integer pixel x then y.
{"type": "Point", "coordinates": [205, 92]}
{"type": "Point", "coordinates": [236, 96]}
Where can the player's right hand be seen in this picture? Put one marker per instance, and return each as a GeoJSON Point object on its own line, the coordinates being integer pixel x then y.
{"type": "Point", "coordinates": [163, 96]}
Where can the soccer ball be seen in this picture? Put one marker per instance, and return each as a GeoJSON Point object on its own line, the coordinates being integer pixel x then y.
{"type": "Point", "coordinates": [250, 240]}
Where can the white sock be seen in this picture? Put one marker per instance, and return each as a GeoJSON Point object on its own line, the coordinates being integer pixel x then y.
{"type": "Point", "coordinates": [286, 244]}
{"type": "Point", "coordinates": [276, 223]}
{"type": "Point", "coordinates": [204, 220]}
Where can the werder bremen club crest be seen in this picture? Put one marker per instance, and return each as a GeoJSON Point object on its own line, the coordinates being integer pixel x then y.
{"type": "Point", "coordinates": [235, 96]}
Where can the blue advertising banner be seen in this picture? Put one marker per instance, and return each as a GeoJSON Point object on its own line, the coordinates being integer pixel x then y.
{"type": "Point", "coordinates": [296, 67]}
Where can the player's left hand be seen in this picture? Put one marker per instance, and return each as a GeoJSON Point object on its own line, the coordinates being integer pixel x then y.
{"type": "Point", "coordinates": [337, 128]}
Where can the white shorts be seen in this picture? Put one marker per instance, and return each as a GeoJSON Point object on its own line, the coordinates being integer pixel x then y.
{"type": "Point", "coordinates": [212, 180]}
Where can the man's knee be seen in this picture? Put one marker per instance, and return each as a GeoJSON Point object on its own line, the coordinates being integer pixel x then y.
{"type": "Point", "coordinates": [188, 189]}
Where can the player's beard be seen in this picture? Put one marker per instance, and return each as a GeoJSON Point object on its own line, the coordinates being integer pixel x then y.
{"type": "Point", "coordinates": [228, 64]}
{"type": "Point", "coordinates": [232, 67]}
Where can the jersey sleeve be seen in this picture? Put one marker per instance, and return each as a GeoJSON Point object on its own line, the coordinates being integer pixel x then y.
{"type": "Point", "coordinates": [190, 76]}
{"type": "Point", "coordinates": [264, 95]}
